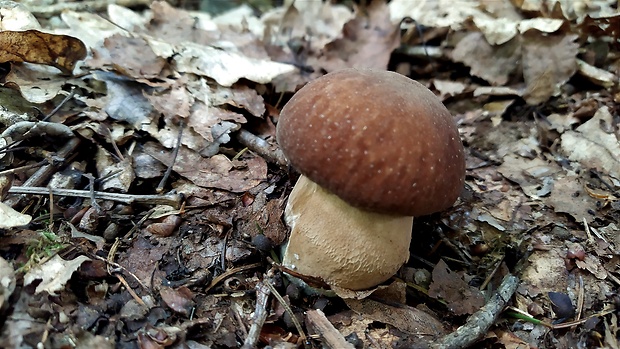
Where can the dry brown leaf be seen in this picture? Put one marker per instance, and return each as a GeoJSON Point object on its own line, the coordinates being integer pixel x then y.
{"type": "Point", "coordinates": [405, 318]}
{"type": "Point", "coordinates": [54, 273]}
{"type": "Point", "coordinates": [548, 62]}
{"type": "Point", "coordinates": [598, 76]}
{"type": "Point", "coordinates": [568, 196]}
{"type": "Point", "coordinates": [450, 287]}
{"type": "Point", "coordinates": [225, 67]}
{"type": "Point", "coordinates": [180, 300]}
{"type": "Point", "coordinates": [174, 25]}
{"type": "Point", "coordinates": [368, 41]}
{"type": "Point", "coordinates": [133, 57]}
{"type": "Point", "coordinates": [119, 175]}
{"type": "Point", "coordinates": [60, 51]}
{"type": "Point", "coordinates": [214, 172]}
{"type": "Point", "coordinates": [492, 63]}
{"type": "Point", "coordinates": [437, 13]}
{"type": "Point", "coordinates": [546, 272]}
{"type": "Point", "coordinates": [593, 146]}
{"type": "Point", "coordinates": [448, 88]}
{"type": "Point", "coordinates": [593, 265]}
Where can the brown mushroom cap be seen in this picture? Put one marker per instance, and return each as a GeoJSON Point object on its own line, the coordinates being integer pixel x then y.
{"type": "Point", "coordinates": [377, 139]}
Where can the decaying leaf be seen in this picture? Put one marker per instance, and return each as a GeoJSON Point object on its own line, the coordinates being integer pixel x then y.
{"type": "Point", "coordinates": [54, 273]}
{"type": "Point", "coordinates": [548, 63]}
{"type": "Point", "coordinates": [592, 146]}
{"type": "Point", "coordinates": [15, 16]}
{"type": "Point", "coordinates": [450, 287]}
{"type": "Point", "coordinates": [214, 172]}
{"type": "Point", "coordinates": [9, 218]}
{"type": "Point", "coordinates": [60, 51]}
{"type": "Point", "coordinates": [492, 63]}
{"type": "Point", "coordinates": [368, 41]}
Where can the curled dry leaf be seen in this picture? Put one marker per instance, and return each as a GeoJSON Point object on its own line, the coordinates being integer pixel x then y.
{"type": "Point", "coordinates": [26, 129]}
{"type": "Point", "coordinates": [166, 227]}
{"type": "Point", "coordinates": [60, 51]}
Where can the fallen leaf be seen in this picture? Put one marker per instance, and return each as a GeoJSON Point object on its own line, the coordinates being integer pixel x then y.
{"type": "Point", "coordinates": [568, 196]}
{"type": "Point", "coordinates": [492, 63]}
{"type": "Point", "coordinates": [60, 51]}
{"type": "Point", "coordinates": [225, 67]}
{"type": "Point", "coordinates": [548, 62]}
{"type": "Point", "coordinates": [405, 318]}
{"type": "Point", "coordinates": [9, 218]}
{"type": "Point", "coordinates": [368, 41]}
{"type": "Point", "coordinates": [592, 146]}
{"type": "Point", "coordinates": [54, 273]}
{"type": "Point", "coordinates": [450, 287]}
{"type": "Point", "coordinates": [214, 172]}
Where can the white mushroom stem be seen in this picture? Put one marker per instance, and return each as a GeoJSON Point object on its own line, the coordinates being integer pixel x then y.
{"type": "Point", "coordinates": [345, 246]}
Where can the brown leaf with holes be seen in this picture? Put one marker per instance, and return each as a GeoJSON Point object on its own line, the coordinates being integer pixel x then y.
{"type": "Point", "coordinates": [33, 46]}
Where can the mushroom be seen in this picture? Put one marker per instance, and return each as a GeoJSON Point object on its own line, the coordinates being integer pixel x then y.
{"type": "Point", "coordinates": [374, 149]}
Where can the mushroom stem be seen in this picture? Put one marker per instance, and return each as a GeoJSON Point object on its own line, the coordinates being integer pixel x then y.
{"type": "Point", "coordinates": [344, 245]}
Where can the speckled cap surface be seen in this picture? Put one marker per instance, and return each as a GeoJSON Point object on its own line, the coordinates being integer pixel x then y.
{"type": "Point", "coordinates": [377, 139]}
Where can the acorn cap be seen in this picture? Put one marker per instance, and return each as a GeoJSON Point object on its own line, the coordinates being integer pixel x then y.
{"type": "Point", "coordinates": [377, 139]}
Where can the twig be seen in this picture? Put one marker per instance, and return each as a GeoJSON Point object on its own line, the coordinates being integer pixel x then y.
{"type": "Point", "coordinates": [116, 150]}
{"type": "Point", "coordinates": [230, 272]}
{"type": "Point", "coordinates": [129, 289]}
{"type": "Point", "coordinates": [64, 101]}
{"type": "Point", "coordinates": [490, 276]}
{"type": "Point", "coordinates": [24, 168]}
{"type": "Point", "coordinates": [302, 334]}
{"type": "Point", "coordinates": [91, 189]}
{"type": "Point", "coordinates": [580, 298]}
{"type": "Point", "coordinates": [261, 147]}
{"type": "Point", "coordinates": [479, 323]}
{"type": "Point", "coordinates": [175, 153]}
{"type": "Point", "coordinates": [332, 338]}
{"type": "Point", "coordinates": [260, 315]}
{"type": "Point", "coordinates": [173, 200]}
{"type": "Point", "coordinates": [45, 172]}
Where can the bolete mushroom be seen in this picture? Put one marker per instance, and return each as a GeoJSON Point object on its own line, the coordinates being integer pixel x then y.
{"type": "Point", "coordinates": [375, 149]}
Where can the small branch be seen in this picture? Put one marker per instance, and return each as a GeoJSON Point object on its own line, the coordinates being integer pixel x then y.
{"type": "Point", "coordinates": [173, 200]}
{"type": "Point", "coordinates": [332, 338]}
{"type": "Point", "coordinates": [260, 315]}
{"type": "Point", "coordinates": [175, 154]}
{"type": "Point", "coordinates": [479, 323]}
{"type": "Point", "coordinates": [46, 171]}
{"type": "Point", "coordinates": [261, 147]}
{"type": "Point", "coordinates": [300, 330]}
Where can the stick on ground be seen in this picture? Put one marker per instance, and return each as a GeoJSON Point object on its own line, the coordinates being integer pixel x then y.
{"type": "Point", "coordinates": [479, 323]}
